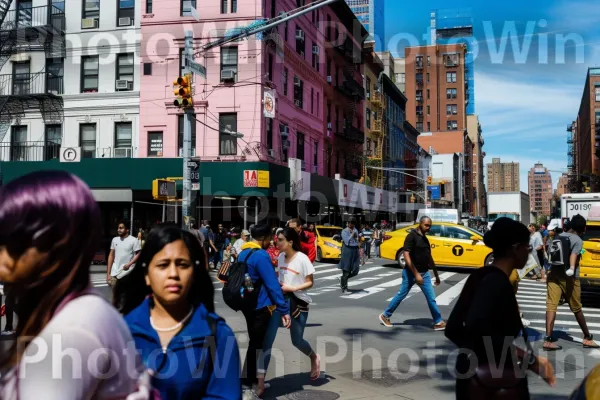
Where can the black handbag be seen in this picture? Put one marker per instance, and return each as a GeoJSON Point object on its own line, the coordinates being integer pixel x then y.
{"type": "Point", "coordinates": [297, 306]}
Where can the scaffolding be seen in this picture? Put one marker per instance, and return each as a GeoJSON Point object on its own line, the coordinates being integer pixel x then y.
{"type": "Point", "coordinates": [30, 29]}
{"type": "Point", "coordinates": [572, 159]}
{"type": "Point", "coordinates": [373, 166]}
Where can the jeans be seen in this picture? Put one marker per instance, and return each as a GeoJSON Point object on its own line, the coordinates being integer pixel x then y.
{"type": "Point", "coordinates": [368, 249]}
{"type": "Point", "coordinates": [10, 308]}
{"type": "Point", "coordinates": [408, 280]}
{"type": "Point", "coordinates": [296, 332]}
{"type": "Point", "coordinates": [376, 248]}
{"type": "Point", "coordinates": [258, 323]}
{"type": "Point", "coordinates": [218, 256]}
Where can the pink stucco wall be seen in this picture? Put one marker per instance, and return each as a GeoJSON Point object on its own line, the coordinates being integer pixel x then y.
{"type": "Point", "coordinates": [162, 36]}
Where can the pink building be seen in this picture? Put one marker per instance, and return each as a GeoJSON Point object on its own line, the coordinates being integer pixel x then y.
{"type": "Point", "coordinates": [318, 111]}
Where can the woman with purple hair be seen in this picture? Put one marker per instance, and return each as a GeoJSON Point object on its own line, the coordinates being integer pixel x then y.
{"type": "Point", "coordinates": [72, 344]}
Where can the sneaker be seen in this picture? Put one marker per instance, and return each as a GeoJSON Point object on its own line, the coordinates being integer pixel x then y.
{"type": "Point", "coordinates": [440, 326]}
{"type": "Point", "coordinates": [249, 394]}
{"type": "Point", "coordinates": [385, 321]}
{"type": "Point", "coordinates": [7, 333]}
{"type": "Point", "coordinates": [525, 322]}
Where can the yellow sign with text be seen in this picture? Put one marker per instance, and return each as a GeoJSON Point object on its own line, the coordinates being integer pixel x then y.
{"type": "Point", "coordinates": [256, 178]}
{"type": "Point", "coordinates": [263, 179]}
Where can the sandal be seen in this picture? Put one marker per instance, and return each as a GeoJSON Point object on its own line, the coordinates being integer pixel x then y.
{"type": "Point", "coordinates": [588, 343]}
{"type": "Point", "coordinates": [550, 344]}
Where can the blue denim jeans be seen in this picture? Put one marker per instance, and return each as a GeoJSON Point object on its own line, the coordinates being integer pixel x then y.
{"type": "Point", "coordinates": [296, 332]}
{"type": "Point", "coordinates": [408, 280]}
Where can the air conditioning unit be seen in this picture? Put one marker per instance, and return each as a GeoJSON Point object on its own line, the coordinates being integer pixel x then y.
{"type": "Point", "coordinates": [316, 50]}
{"type": "Point", "coordinates": [284, 131]}
{"type": "Point", "coordinates": [329, 79]}
{"type": "Point", "coordinates": [329, 133]}
{"type": "Point", "coordinates": [126, 21]}
{"type": "Point", "coordinates": [298, 103]}
{"type": "Point", "coordinates": [122, 152]}
{"type": "Point", "coordinates": [272, 153]}
{"type": "Point", "coordinates": [315, 169]}
{"type": "Point", "coordinates": [297, 81]}
{"type": "Point", "coordinates": [227, 75]}
{"type": "Point", "coordinates": [89, 23]}
{"type": "Point", "coordinates": [299, 34]}
{"type": "Point", "coordinates": [329, 125]}
{"type": "Point", "coordinates": [123, 84]}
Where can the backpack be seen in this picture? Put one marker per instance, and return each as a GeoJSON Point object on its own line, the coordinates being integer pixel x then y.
{"type": "Point", "coordinates": [235, 294]}
{"type": "Point", "coordinates": [559, 251]}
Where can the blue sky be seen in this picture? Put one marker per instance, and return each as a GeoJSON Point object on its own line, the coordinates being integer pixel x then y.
{"type": "Point", "coordinates": [524, 101]}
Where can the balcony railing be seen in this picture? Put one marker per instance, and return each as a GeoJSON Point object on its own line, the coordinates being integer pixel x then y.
{"type": "Point", "coordinates": [29, 151]}
{"type": "Point", "coordinates": [48, 17]}
{"type": "Point", "coordinates": [28, 84]}
{"type": "Point", "coordinates": [347, 131]}
{"type": "Point", "coordinates": [351, 88]}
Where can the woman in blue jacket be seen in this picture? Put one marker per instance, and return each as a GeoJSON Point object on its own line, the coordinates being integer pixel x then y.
{"type": "Point", "coordinates": [168, 303]}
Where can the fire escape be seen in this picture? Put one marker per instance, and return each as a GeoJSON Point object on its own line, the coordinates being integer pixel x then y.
{"type": "Point", "coordinates": [30, 29]}
{"type": "Point", "coordinates": [375, 157]}
{"type": "Point", "coordinates": [571, 161]}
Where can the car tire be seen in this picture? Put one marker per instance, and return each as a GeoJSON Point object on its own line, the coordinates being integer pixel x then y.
{"type": "Point", "coordinates": [319, 255]}
{"type": "Point", "coordinates": [400, 259]}
{"type": "Point", "coordinates": [489, 260]}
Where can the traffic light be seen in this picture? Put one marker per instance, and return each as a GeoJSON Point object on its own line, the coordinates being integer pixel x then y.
{"type": "Point", "coordinates": [429, 180]}
{"type": "Point", "coordinates": [183, 91]}
{"type": "Point", "coordinates": [442, 188]}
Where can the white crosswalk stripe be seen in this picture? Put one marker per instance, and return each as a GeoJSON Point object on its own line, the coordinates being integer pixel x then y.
{"type": "Point", "coordinates": [415, 289]}
{"type": "Point", "coordinates": [446, 298]}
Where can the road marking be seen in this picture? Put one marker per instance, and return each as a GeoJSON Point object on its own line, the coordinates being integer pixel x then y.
{"type": "Point", "coordinates": [538, 297]}
{"type": "Point", "coordinates": [100, 284]}
{"type": "Point", "coordinates": [350, 281]}
{"type": "Point", "coordinates": [587, 311]}
{"type": "Point", "coordinates": [324, 265]}
{"type": "Point", "coordinates": [559, 323]}
{"type": "Point", "coordinates": [375, 289]}
{"type": "Point", "coordinates": [446, 298]}
{"type": "Point", "coordinates": [417, 289]}
{"type": "Point", "coordinates": [565, 330]}
{"type": "Point", "coordinates": [532, 291]}
{"type": "Point", "coordinates": [324, 271]}
{"type": "Point", "coordinates": [536, 284]}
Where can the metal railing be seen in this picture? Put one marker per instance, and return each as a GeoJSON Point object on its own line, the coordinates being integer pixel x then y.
{"type": "Point", "coordinates": [29, 151]}
{"type": "Point", "coordinates": [25, 84]}
{"type": "Point", "coordinates": [33, 17]}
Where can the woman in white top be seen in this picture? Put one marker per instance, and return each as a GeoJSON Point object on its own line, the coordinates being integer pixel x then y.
{"type": "Point", "coordinates": [49, 222]}
{"type": "Point", "coordinates": [295, 276]}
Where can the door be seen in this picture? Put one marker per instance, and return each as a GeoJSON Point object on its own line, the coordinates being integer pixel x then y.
{"type": "Point", "coordinates": [435, 240]}
{"type": "Point", "coordinates": [21, 78]}
{"type": "Point", "coordinates": [18, 143]}
{"type": "Point", "coordinates": [24, 10]}
{"type": "Point", "coordinates": [458, 249]}
{"type": "Point", "coordinates": [53, 142]}
{"type": "Point", "coordinates": [54, 75]}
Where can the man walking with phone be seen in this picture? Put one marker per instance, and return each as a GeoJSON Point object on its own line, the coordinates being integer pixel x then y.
{"type": "Point", "coordinates": [417, 253]}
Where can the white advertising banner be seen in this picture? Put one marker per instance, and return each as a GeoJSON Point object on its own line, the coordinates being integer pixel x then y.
{"type": "Point", "coordinates": [299, 181]}
{"type": "Point", "coordinates": [357, 195]}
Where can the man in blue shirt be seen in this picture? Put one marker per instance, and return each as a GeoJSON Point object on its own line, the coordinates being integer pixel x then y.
{"type": "Point", "coordinates": [350, 260]}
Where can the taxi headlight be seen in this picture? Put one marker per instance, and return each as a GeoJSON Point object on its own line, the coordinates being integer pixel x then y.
{"type": "Point", "coordinates": [333, 245]}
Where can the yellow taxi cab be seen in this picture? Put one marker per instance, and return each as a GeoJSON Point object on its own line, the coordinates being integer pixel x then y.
{"type": "Point", "coordinates": [452, 245]}
{"type": "Point", "coordinates": [589, 265]}
{"type": "Point", "coordinates": [329, 242]}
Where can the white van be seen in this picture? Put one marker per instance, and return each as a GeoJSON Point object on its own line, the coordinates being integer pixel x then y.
{"type": "Point", "coordinates": [440, 214]}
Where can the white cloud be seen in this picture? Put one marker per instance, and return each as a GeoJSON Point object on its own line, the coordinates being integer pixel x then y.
{"type": "Point", "coordinates": [577, 13]}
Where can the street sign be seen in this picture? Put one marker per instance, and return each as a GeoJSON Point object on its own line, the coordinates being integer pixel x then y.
{"type": "Point", "coordinates": [196, 68]}
{"type": "Point", "coordinates": [70, 154]}
{"type": "Point", "coordinates": [195, 13]}
{"type": "Point", "coordinates": [194, 173]}
{"type": "Point", "coordinates": [435, 191]}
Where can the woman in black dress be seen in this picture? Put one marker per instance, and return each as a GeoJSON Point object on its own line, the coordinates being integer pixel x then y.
{"type": "Point", "coordinates": [486, 321]}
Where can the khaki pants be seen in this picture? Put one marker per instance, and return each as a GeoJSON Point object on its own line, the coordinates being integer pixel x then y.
{"type": "Point", "coordinates": [113, 281]}
{"type": "Point", "coordinates": [560, 284]}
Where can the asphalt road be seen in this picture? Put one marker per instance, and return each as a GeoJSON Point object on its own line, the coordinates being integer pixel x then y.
{"type": "Point", "coordinates": [362, 359]}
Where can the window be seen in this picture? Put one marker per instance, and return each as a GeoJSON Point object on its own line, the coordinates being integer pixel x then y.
{"type": "Point", "coordinates": [598, 94]}
{"type": "Point", "coordinates": [285, 81]}
{"type": "Point", "coordinates": [87, 140]}
{"type": "Point", "coordinates": [270, 67]}
{"type": "Point", "coordinates": [223, 6]}
{"type": "Point", "coordinates": [147, 68]}
{"type": "Point", "coordinates": [155, 144]}
{"type": "Point", "coordinates": [285, 143]}
{"type": "Point", "coordinates": [180, 125]}
{"type": "Point", "coordinates": [315, 57]}
{"type": "Point", "coordinates": [419, 61]}
{"type": "Point", "coordinates": [456, 233]}
{"type": "Point", "coordinates": [298, 92]}
{"type": "Point", "coordinates": [328, 35]}
{"type": "Point", "coordinates": [24, 13]}
{"type": "Point", "coordinates": [428, 77]}
{"type": "Point", "coordinates": [55, 71]}
{"type": "Point", "coordinates": [52, 142]}
{"type": "Point", "coordinates": [148, 6]}
{"type": "Point", "coordinates": [18, 143]}
{"type": "Point", "coordinates": [428, 126]}
{"type": "Point", "coordinates": [123, 137]}
{"type": "Point", "coordinates": [452, 125]}
{"type": "Point", "coordinates": [285, 32]}
{"type": "Point", "coordinates": [451, 60]}
{"type": "Point", "coordinates": [125, 69]}
{"type": "Point", "coordinates": [368, 146]}
{"type": "Point", "coordinates": [428, 110]}
{"type": "Point", "coordinates": [428, 61]}
{"type": "Point", "coordinates": [233, 6]}
{"type": "Point", "coordinates": [273, 9]}
{"type": "Point", "coordinates": [368, 87]}
{"type": "Point", "coordinates": [300, 43]}
{"type": "Point", "coordinates": [91, 9]}
{"type": "Point", "coordinates": [316, 155]}
{"type": "Point", "coordinates": [269, 133]}
{"type": "Point", "coordinates": [312, 100]}
{"type": "Point", "coordinates": [125, 12]}
{"type": "Point", "coordinates": [451, 77]}
{"type": "Point", "coordinates": [450, 94]}
{"type": "Point", "coordinates": [428, 94]}
{"type": "Point", "coordinates": [401, 77]}
{"type": "Point", "coordinates": [186, 7]}
{"type": "Point", "coordinates": [22, 78]}
{"type": "Point", "coordinates": [89, 75]}
{"type": "Point", "coordinates": [419, 126]}
{"type": "Point", "coordinates": [227, 142]}
{"type": "Point", "coordinates": [229, 60]}
{"type": "Point", "coordinates": [419, 95]}
{"type": "Point", "coordinates": [369, 118]}
{"type": "Point", "coordinates": [451, 109]}
{"type": "Point", "coordinates": [300, 146]}
{"type": "Point", "coordinates": [436, 230]}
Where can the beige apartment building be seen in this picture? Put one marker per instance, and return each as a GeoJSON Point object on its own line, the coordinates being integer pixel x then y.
{"type": "Point", "coordinates": [503, 177]}
{"type": "Point", "coordinates": [540, 189]}
{"type": "Point", "coordinates": [563, 185]}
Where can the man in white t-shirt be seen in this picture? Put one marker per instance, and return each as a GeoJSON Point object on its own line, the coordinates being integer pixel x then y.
{"type": "Point", "coordinates": [124, 252]}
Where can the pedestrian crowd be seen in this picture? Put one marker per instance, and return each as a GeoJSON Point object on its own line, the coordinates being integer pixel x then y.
{"type": "Point", "coordinates": [161, 338]}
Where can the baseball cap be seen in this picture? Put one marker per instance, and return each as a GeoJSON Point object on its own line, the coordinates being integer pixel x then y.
{"type": "Point", "coordinates": [245, 233]}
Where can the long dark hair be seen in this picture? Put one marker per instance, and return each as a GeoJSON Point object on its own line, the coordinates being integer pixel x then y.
{"type": "Point", "coordinates": [131, 290]}
{"type": "Point", "coordinates": [291, 235]}
{"type": "Point", "coordinates": [55, 213]}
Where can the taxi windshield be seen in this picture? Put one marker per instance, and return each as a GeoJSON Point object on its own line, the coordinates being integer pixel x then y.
{"type": "Point", "coordinates": [473, 231]}
{"type": "Point", "coordinates": [592, 233]}
{"type": "Point", "coordinates": [329, 232]}
{"type": "Point", "coordinates": [494, 217]}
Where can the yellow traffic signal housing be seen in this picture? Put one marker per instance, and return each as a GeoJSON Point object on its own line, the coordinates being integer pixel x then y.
{"type": "Point", "coordinates": [429, 180]}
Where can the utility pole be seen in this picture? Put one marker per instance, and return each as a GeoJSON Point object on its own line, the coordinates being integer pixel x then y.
{"type": "Point", "coordinates": [187, 137]}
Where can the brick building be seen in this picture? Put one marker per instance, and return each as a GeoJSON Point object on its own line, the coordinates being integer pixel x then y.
{"type": "Point", "coordinates": [503, 177]}
{"type": "Point", "coordinates": [540, 189]}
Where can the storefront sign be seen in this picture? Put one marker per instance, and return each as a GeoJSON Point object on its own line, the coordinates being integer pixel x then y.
{"type": "Point", "coordinates": [256, 178]}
